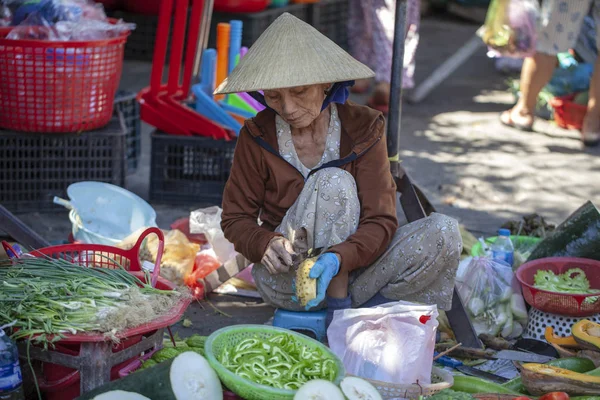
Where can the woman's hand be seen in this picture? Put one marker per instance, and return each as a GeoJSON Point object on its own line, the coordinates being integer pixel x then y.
{"type": "Point", "coordinates": [326, 267]}
{"type": "Point", "coordinates": [278, 256]}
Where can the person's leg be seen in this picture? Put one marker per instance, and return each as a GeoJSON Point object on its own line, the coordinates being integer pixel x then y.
{"type": "Point", "coordinates": [536, 73]}
{"type": "Point", "coordinates": [419, 265]}
{"type": "Point", "coordinates": [328, 210]}
{"type": "Point", "coordinates": [559, 27]}
{"type": "Point", "coordinates": [591, 124]}
{"type": "Point", "coordinates": [383, 31]}
{"type": "Point", "coordinates": [360, 40]}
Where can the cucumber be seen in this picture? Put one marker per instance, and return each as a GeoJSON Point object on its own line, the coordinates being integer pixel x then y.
{"type": "Point", "coordinates": [471, 384]}
{"type": "Point", "coordinates": [574, 364]}
{"type": "Point", "coordinates": [188, 376]}
{"type": "Point", "coordinates": [575, 237]}
{"type": "Point", "coordinates": [585, 398]}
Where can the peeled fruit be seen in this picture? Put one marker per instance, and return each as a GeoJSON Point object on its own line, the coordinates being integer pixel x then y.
{"type": "Point", "coordinates": [358, 389]}
{"type": "Point", "coordinates": [306, 288]}
{"type": "Point", "coordinates": [319, 389]}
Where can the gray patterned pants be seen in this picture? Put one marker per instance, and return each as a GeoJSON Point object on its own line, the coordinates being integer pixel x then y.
{"type": "Point", "coordinates": [419, 265]}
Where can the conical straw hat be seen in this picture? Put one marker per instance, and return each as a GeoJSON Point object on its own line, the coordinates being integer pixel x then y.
{"type": "Point", "coordinates": [291, 53]}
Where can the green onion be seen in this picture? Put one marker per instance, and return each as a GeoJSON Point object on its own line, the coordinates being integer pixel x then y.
{"type": "Point", "coordinates": [51, 297]}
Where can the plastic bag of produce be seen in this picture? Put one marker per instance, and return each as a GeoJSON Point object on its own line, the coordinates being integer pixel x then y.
{"type": "Point", "coordinates": [391, 343]}
{"type": "Point", "coordinates": [208, 222]}
{"type": "Point", "coordinates": [510, 27]}
{"type": "Point", "coordinates": [494, 306]}
{"type": "Point", "coordinates": [62, 20]}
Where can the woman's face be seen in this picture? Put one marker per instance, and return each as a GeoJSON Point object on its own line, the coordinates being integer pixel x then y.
{"type": "Point", "coordinates": [298, 106]}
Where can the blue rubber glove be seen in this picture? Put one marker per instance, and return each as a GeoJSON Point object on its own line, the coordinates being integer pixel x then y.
{"type": "Point", "coordinates": [326, 267]}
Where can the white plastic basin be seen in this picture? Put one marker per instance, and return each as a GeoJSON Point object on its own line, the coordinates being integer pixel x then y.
{"type": "Point", "coordinates": [106, 214]}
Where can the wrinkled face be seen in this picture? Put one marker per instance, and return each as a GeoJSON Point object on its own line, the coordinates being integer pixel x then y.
{"type": "Point", "coordinates": [298, 106]}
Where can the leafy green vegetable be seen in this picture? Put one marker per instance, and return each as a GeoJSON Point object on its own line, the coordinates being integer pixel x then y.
{"type": "Point", "coordinates": [280, 362]}
{"type": "Point", "coordinates": [573, 281]}
{"type": "Point", "coordinates": [449, 394]}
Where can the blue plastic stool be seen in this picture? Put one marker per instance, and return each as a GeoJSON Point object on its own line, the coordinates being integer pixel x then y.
{"type": "Point", "coordinates": [312, 321]}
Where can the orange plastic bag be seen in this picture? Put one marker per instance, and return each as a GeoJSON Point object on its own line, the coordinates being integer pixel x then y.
{"type": "Point", "coordinates": [205, 264]}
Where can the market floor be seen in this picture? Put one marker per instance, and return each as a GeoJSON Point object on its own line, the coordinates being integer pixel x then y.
{"type": "Point", "coordinates": [469, 165]}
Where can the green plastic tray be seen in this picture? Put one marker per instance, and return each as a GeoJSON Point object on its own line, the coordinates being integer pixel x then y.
{"type": "Point", "coordinates": [232, 335]}
{"type": "Point", "coordinates": [518, 242]}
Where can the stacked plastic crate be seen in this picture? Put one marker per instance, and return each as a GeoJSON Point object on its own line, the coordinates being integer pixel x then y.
{"type": "Point", "coordinates": [57, 123]}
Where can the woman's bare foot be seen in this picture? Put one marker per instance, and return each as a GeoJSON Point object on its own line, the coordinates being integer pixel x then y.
{"type": "Point", "coordinates": [590, 131]}
{"type": "Point", "coordinates": [518, 119]}
{"type": "Point", "coordinates": [361, 86]}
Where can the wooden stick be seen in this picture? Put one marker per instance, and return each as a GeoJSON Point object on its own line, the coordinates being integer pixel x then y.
{"type": "Point", "coordinates": [467, 352]}
{"type": "Point", "coordinates": [443, 353]}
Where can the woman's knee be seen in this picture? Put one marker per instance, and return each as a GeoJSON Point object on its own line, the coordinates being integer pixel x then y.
{"type": "Point", "coordinates": [447, 230]}
{"type": "Point", "coordinates": [331, 178]}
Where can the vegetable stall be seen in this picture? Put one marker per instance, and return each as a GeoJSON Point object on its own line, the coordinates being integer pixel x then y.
{"type": "Point", "coordinates": [94, 322]}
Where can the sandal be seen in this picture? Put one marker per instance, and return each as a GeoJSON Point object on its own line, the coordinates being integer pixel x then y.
{"type": "Point", "coordinates": [506, 120]}
{"type": "Point", "coordinates": [591, 139]}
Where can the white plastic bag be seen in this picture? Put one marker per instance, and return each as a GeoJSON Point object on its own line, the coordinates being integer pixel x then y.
{"type": "Point", "coordinates": [208, 222]}
{"type": "Point", "coordinates": [391, 343]}
{"type": "Point", "coordinates": [493, 304]}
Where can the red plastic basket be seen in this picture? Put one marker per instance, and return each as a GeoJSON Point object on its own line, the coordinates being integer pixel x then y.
{"type": "Point", "coordinates": [568, 114]}
{"type": "Point", "coordinates": [58, 87]}
{"type": "Point", "coordinates": [572, 305]}
{"type": "Point", "coordinates": [62, 383]}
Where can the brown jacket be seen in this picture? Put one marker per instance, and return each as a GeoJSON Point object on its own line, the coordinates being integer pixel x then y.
{"type": "Point", "coordinates": [263, 184]}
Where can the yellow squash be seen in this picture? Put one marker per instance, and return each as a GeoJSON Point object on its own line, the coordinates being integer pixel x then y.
{"type": "Point", "coordinates": [587, 334]}
{"type": "Point", "coordinates": [540, 379]}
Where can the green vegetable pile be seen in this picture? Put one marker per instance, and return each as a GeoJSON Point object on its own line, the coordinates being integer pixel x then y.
{"type": "Point", "coordinates": [194, 343]}
{"type": "Point", "coordinates": [48, 296]}
{"type": "Point", "coordinates": [280, 362]}
{"type": "Point", "coordinates": [573, 281]}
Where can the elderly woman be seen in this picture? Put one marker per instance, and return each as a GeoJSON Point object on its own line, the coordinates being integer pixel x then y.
{"type": "Point", "coordinates": [315, 165]}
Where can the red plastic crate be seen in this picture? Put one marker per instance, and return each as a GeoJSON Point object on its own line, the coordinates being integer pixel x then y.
{"type": "Point", "coordinates": [568, 114]}
{"type": "Point", "coordinates": [60, 379]}
{"type": "Point", "coordinates": [573, 305]}
{"type": "Point", "coordinates": [58, 87]}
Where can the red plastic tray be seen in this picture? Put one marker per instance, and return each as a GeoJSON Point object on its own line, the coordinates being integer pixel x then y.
{"type": "Point", "coordinates": [572, 305]}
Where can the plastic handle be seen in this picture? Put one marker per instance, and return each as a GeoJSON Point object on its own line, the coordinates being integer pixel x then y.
{"type": "Point", "coordinates": [161, 246]}
{"type": "Point", "coordinates": [62, 202]}
{"type": "Point", "coordinates": [223, 30]}
{"type": "Point", "coordinates": [235, 43]}
{"type": "Point", "coordinates": [447, 361]}
{"type": "Point", "coordinates": [209, 60]}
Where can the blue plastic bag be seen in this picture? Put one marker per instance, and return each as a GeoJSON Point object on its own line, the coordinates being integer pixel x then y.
{"type": "Point", "coordinates": [570, 77]}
